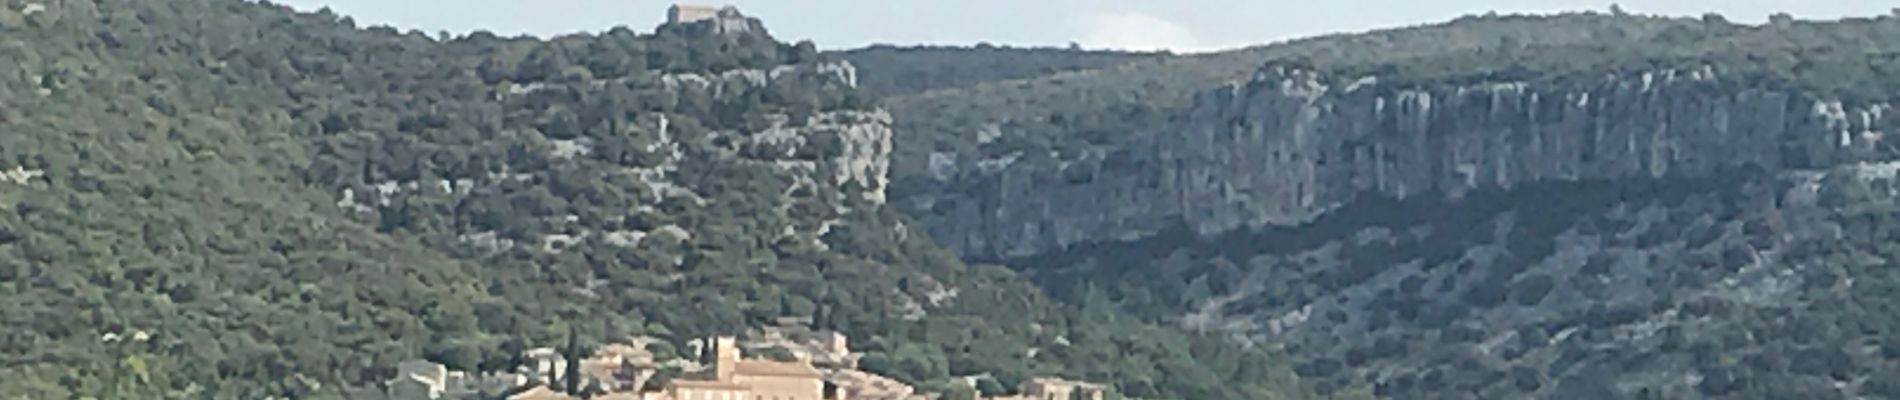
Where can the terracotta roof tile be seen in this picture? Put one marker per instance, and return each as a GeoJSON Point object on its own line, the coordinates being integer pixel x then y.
{"type": "Point", "coordinates": [699, 384]}
{"type": "Point", "coordinates": [775, 368]}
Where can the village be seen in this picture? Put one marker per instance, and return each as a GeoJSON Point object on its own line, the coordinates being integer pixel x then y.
{"type": "Point", "coordinates": [804, 364]}
{"type": "Point", "coordinates": [789, 361]}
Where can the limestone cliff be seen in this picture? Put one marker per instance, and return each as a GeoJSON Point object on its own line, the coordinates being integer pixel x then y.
{"type": "Point", "coordinates": [1290, 144]}
{"type": "Point", "coordinates": [825, 155]}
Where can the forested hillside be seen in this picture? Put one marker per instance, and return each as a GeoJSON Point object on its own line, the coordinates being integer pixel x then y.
{"type": "Point", "coordinates": [228, 199]}
{"type": "Point", "coordinates": [886, 70]}
{"type": "Point", "coordinates": [1066, 116]}
{"type": "Point", "coordinates": [1581, 206]}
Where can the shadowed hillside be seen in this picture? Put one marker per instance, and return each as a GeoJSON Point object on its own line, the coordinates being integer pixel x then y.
{"type": "Point", "coordinates": [886, 70]}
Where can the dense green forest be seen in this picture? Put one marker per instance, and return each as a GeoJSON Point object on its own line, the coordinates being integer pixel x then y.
{"type": "Point", "coordinates": [886, 70]}
{"type": "Point", "coordinates": [1851, 59]}
{"type": "Point", "coordinates": [229, 199]}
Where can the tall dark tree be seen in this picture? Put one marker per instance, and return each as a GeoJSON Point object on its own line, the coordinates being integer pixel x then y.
{"type": "Point", "coordinates": [571, 377]}
{"type": "Point", "coordinates": [821, 318]}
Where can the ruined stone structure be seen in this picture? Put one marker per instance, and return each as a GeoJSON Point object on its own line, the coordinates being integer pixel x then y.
{"type": "Point", "coordinates": [720, 20]}
{"type": "Point", "coordinates": [686, 13]}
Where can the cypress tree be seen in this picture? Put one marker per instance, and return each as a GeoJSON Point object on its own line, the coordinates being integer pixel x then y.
{"type": "Point", "coordinates": [572, 376]}
{"type": "Point", "coordinates": [821, 318]}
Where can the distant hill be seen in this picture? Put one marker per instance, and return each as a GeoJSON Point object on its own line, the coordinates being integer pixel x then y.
{"type": "Point", "coordinates": [1575, 206]}
{"type": "Point", "coordinates": [229, 199]}
{"type": "Point", "coordinates": [886, 70]}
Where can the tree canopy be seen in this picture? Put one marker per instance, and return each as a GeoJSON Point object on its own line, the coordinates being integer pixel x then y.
{"type": "Point", "coordinates": [285, 204]}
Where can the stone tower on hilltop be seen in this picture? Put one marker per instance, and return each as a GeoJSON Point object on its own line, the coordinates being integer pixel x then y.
{"type": "Point", "coordinates": [716, 20]}
{"type": "Point", "coordinates": [685, 13]}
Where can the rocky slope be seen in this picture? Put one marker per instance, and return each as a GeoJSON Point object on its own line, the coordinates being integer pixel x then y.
{"type": "Point", "coordinates": [976, 148]}
{"type": "Point", "coordinates": [901, 71]}
{"type": "Point", "coordinates": [1666, 208]}
{"type": "Point", "coordinates": [232, 199]}
{"type": "Point", "coordinates": [1292, 144]}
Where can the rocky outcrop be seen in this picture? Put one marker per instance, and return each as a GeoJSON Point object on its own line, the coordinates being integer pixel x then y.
{"type": "Point", "coordinates": [840, 74]}
{"type": "Point", "coordinates": [1291, 144]}
{"type": "Point", "coordinates": [844, 149]}
{"type": "Point", "coordinates": [826, 156]}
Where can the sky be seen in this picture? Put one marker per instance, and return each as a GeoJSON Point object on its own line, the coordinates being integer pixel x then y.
{"type": "Point", "coordinates": [1179, 25]}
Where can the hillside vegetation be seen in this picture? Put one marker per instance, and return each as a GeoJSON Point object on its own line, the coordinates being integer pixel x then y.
{"type": "Point", "coordinates": [1064, 114]}
{"type": "Point", "coordinates": [1742, 284]}
{"type": "Point", "coordinates": [886, 70]}
{"type": "Point", "coordinates": [228, 199]}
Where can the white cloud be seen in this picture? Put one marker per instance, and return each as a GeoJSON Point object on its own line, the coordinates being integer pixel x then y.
{"type": "Point", "coordinates": [1136, 31]}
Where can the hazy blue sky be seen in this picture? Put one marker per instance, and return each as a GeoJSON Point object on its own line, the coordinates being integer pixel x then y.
{"type": "Point", "coordinates": [1185, 25]}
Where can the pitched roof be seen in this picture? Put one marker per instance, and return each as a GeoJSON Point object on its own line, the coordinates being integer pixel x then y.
{"type": "Point", "coordinates": [701, 384]}
{"type": "Point", "coordinates": [776, 368]}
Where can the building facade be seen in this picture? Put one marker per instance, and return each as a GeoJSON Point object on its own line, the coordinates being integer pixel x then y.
{"type": "Point", "coordinates": [684, 13]}
{"type": "Point", "coordinates": [1056, 389]}
{"type": "Point", "coordinates": [733, 377]}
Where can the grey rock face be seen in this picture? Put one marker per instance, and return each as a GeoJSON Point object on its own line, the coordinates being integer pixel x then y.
{"type": "Point", "coordinates": [720, 85]}
{"type": "Point", "coordinates": [827, 156]}
{"type": "Point", "coordinates": [857, 143]}
{"type": "Point", "coordinates": [1289, 145]}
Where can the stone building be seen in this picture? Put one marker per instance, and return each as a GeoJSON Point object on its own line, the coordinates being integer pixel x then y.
{"type": "Point", "coordinates": [732, 377]}
{"type": "Point", "coordinates": [621, 371]}
{"type": "Point", "coordinates": [619, 367]}
{"type": "Point", "coordinates": [686, 13]}
{"type": "Point", "coordinates": [1056, 389]}
{"type": "Point", "coordinates": [419, 379]}
{"type": "Point", "coordinates": [544, 365]}
{"type": "Point", "coordinates": [715, 20]}
{"type": "Point", "coordinates": [860, 385]}
{"type": "Point", "coordinates": [1059, 389]}
{"type": "Point", "coordinates": [825, 349]}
